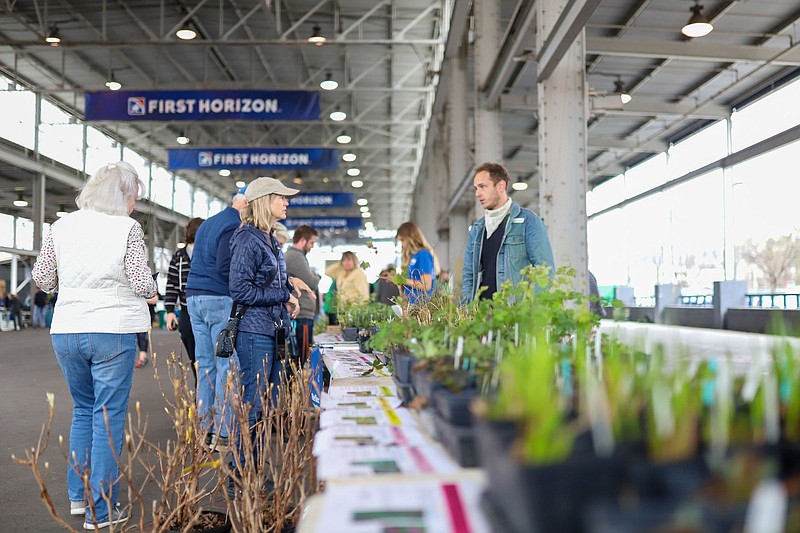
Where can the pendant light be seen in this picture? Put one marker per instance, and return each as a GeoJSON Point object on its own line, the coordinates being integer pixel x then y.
{"type": "Point", "coordinates": [698, 25]}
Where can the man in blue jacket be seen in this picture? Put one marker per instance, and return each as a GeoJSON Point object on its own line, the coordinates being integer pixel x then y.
{"type": "Point", "coordinates": [502, 243]}
{"type": "Point", "coordinates": [209, 302]}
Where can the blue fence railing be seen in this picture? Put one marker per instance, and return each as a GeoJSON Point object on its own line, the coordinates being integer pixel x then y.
{"type": "Point", "coordinates": [697, 299]}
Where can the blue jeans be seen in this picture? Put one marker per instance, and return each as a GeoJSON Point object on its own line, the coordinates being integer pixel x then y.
{"type": "Point", "coordinates": [38, 316]}
{"type": "Point", "coordinates": [209, 314]}
{"type": "Point", "coordinates": [257, 367]}
{"type": "Point", "coordinates": [98, 368]}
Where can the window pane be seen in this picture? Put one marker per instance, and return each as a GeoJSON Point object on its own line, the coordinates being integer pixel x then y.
{"type": "Point", "coordinates": [216, 207]}
{"type": "Point", "coordinates": [60, 136]}
{"type": "Point", "coordinates": [6, 230]}
{"type": "Point", "coordinates": [101, 150]}
{"type": "Point", "coordinates": [700, 149]}
{"type": "Point", "coordinates": [200, 204]}
{"type": "Point", "coordinates": [161, 187]}
{"type": "Point", "coordinates": [19, 115]}
{"type": "Point", "coordinates": [183, 197]}
{"type": "Point", "coordinates": [749, 124]}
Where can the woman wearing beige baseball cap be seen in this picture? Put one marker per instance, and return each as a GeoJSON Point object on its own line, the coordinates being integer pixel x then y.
{"type": "Point", "coordinates": [258, 279]}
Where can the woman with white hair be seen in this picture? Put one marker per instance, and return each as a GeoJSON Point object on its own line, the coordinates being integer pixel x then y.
{"type": "Point", "coordinates": [95, 257]}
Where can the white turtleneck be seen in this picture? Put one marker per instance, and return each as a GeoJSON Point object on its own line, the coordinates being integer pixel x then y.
{"type": "Point", "coordinates": [494, 217]}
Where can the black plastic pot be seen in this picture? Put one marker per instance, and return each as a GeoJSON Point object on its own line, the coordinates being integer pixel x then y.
{"type": "Point", "coordinates": [402, 363]}
{"type": "Point", "coordinates": [552, 497]}
{"type": "Point", "coordinates": [362, 343]}
{"type": "Point", "coordinates": [676, 479]}
{"type": "Point", "coordinates": [225, 528]}
{"type": "Point", "coordinates": [493, 439]}
{"type": "Point", "coordinates": [350, 334]}
{"type": "Point", "coordinates": [459, 441]}
{"type": "Point", "coordinates": [405, 390]}
{"type": "Point", "coordinates": [333, 319]}
{"type": "Point", "coordinates": [424, 384]}
{"type": "Point", "coordinates": [454, 408]}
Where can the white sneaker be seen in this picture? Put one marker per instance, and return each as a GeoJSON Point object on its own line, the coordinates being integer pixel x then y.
{"type": "Point", "coordinates": [76, 508]}
{"type": "Point", "coordinates": [117, 516]}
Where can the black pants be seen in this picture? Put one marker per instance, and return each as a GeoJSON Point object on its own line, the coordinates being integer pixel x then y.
{"type": "Point", "coordinates": [304, 332]}
{"type": "Point", "coordinates": [143, 341]}
{"type": "Point", "coordinates": [15, 319]}
{"type": "Point", "coordinates": [187, 337]}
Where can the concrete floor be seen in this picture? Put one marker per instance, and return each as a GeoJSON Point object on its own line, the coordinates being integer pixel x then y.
{"type": "Point", "coordinates": [28, 370]}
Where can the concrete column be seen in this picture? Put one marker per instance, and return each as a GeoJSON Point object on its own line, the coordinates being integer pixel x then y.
{"type": "Point", "coordinates": [666, 294]}
{"type": "Point", "coordinates": [488, 131]}
{"type": "Point", "coordinates": [39, 203]}
{"type": "Point", "coordinates": [457, 163]}
{"type": "Point", "coordinates": [562, 148]}
{"type": "Point", "coordinates": [625, 295]}
{"type": "Point", "coordinates": [728, 294]}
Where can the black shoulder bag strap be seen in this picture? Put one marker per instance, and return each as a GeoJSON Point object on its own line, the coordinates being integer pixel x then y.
{"type": "Point", "coordinates": [280, 331]}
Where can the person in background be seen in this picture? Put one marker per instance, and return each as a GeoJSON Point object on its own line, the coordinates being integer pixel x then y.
{"type": "Point", "coordinates": [281, 233]}
{"type": "Point", "coordinates": [96, 258]}
{"type": "Point", "coordinates": [258, 279]}
{"type": "Point", "coordinates": [504, 241]}
{"type": "Point", "coordinates": [209, 302]}
{"type": "Point", "coordinates": [443, 281]}
{"type": "Point", "coordinates": [297, 266]}
{"type": "Point", "coordinates": [39, 304]}
{"type": "Point", "coordinates": [351, 280]}
{"type": "Point", "coordinates": [175, 295]}
{"type": "Point", "coordinates": [597, 305]}
{"type": "Point", "coordinates": [385, 289]}
{"type": "Point", "coordinates": [15, 310]}
{"type": "Point", "coordinates": [420, 265]}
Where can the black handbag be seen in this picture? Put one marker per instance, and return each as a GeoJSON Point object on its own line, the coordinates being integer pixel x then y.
{"type": "Point", "coordinates": [226, 340]}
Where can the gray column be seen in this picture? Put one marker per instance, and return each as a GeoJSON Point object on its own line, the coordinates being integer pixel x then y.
{"type": "Point", "coordinates": [14, 277]}
{"type": "Point", "coordinates": [488, 131]}
{"type": "Point", "coordinates": [666, 294]}
{"type": "Point", "coordinates": [39, 203]}
{"type": "Point", "coordinates": [458, 163]}
{"type": "Point", "coordinates": [562, 147]}
{"type": "Point", "coordinates": [728, 294]}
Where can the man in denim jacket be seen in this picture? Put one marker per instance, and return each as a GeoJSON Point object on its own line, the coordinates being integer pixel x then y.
{"type": "Point", "coordinates": [502, 243]}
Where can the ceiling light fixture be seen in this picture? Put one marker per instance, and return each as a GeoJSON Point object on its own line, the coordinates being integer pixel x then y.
{"type": "Point", "coordinates": [186, 33]}
{"type": "Point", "coordinates": [338, 115]}
{"type": "Point", "coordinates": [364, 209]}
{"type": "Point", "coordinates": [182, 138]}
{"type": "Point", "coordinates": [344, 139]}
{"type": "Point", "coordinates": [357, 184]}
{"type": "Point", "coordinates": [224, 172]}
{"type": "Point", "coordinates": [366, 215]}
{"type": "Point", "coordinates": [328, 83]}
{"type": "Point", "coordinates": [619, 89]}
{"type": "Point", "coordinates": [353, 172]}
{"type": "Point", "coordinates": [298, 180]}
{"type": "Point", "coordinates": [698, 25]}
{"type": "Point", "coordinates": [326, 179]}
{"type": "Point", "coordinates": [349, 157]}
{"type": "Point", "coordinates": [53, 38]}
{"type": "Point", "coordinates": [62, 212]}
{"type": "Point", "coordinates": [240, 184]}
{"type": "Point", "coordinates": [20, 201]}
{"type": "Point", "coordinates": [519, 185]}
{"type": "Point", "coordinates": [362, 201]}
{"type": "Point", "coordinates": [113, 84]}
{"type": "Point", "coordinates": [316, 37]}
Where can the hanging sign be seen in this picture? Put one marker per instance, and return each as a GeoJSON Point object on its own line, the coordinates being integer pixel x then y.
{"type": "Point", "coordinates": [322, 199]}
{"type": "Point", "coordinates": [252, 158]}
{"type": "Point", "coordinates": [329, 223]}
{"type": "Point", "coordinates": [202, 105]}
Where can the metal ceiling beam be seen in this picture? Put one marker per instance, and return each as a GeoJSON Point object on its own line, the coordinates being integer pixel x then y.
{"type": "Point", "coordinates": [692, 51]}
{"type": "Point", "coordinates": [569, 25]}
{"type": "Point", "coordinates": [638, 107]}
{"type": "Point", "coordinates": [361, 19]}
{"type": "Point", "coordinates": [138, 43]}
{"type": "Point", "coordinates": [518, 31]}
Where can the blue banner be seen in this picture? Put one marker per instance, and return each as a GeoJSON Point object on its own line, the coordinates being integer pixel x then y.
{"type": "Point", "coordinates": [202, 105]}
{"type": "Point", "coordinates": [322, 199]}
{"type": "Point", "coordinates": [330, 223]}
{"type": "Point", "coordinates": [245, 158]}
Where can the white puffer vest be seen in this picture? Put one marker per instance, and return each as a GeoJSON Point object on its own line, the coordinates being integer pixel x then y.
{"type": "Point", "coordinates": [94, 294]}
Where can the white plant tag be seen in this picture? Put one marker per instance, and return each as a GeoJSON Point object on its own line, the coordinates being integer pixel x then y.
{"type": "Point", "coordinates": [766, 512]}
{"type": "Point", "coordinates": [662, 410]}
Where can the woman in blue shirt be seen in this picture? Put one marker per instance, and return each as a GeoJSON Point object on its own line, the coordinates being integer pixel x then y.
{"type": "Point", "coordinates": [420, 265]}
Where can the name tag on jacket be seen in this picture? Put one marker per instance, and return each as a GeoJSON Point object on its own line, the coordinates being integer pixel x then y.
{"type": "Point", "coordinates": [518, 220]}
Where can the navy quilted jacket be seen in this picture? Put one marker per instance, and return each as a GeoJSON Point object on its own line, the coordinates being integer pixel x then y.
{"type": "Point", "coordinates": [253, 263]}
